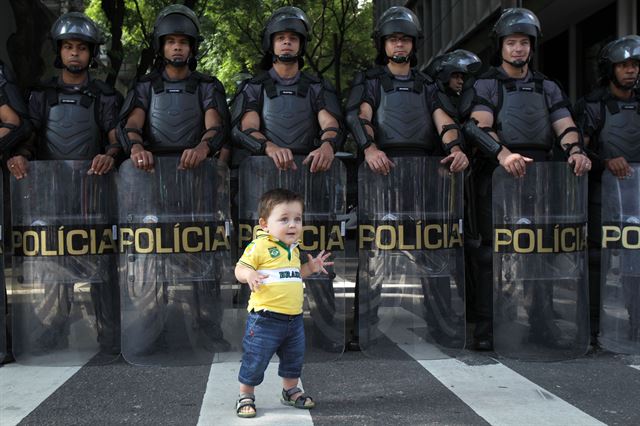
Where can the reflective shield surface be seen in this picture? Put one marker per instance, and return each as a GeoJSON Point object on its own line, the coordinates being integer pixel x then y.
{"type": "Point", "coordinates": [540, 292]}
{"type": "Point", "coordinates": [64, 291]}
{"type": "Point", "coordinates": [3, 288]}
{"type": "Point", "coordinates": [324, 196]}
{"type": "Point", "coordinates": [620, 282]}
{"type": "Point", "coordinates": [174, 249]}
{"type": "Point", "coordinates": [411, 269]}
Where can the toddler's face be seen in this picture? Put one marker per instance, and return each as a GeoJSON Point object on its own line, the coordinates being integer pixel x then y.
{"type": "Point", "coordinates": [284, 222]}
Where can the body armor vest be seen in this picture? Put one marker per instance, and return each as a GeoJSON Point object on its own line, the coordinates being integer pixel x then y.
{"type": "Point", "coordinates": [620, 134]}
{"type": "Point", "coordinates": [288, 117]}
{"type": "Point", "coordinates": [522, 120]}
{"type": "Point", "coordinates": [71, 131]}
{"type": "Point", "coordinates": [176, 119]}
{"type": "Point", "coordinates": [402, 118]}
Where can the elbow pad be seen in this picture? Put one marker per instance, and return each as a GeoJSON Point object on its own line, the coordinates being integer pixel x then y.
{"type": "Point", "coordinates": [216, 141]}
{"type": "Point", "coordinates": [245, 140]}
{"type": "Point", "coordinates": [481, 139]}
{"type": "Point", "coordinates": [356, 125]}
{"type": "Point", "coordinates": [122, 134]}
{"type": "Point", "coordinates": [459, 141]}
{"type": "Point", "coordinates": [16, 134]}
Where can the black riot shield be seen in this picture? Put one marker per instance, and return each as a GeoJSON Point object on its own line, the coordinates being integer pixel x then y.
{"type": "Point", "coordinates": [620, 282]}
{"type": "Point", "coordinates": [540, 292]}
{"type": "Point", "coordinates": [324, 206]}
{"type": "Point", "coordinates": [411, 269]}
{"type": "Point", "coordinates": [64, 294]}
{"type": "Point", "coordinates": [173, 240]}
{"type": "Point", "coordinates": [3, 288]}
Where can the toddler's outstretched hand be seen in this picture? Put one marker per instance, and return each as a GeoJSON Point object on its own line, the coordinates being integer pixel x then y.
{"type": "Point", "coordinates": [317, 264]}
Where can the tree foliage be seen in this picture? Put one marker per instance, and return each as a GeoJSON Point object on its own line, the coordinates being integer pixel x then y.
{"type": "Point", "coordinates": [340, 42]}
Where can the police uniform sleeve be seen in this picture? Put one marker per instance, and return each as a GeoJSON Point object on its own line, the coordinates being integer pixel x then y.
{"type": "Point", "coordinates": [251, 257]}
{"type": "Point", "coordinates": [327, 99]}
{"type": "Point", "coordinates": [214, 97]}
{"type": "Point", "coordinates": [247, 99]}
{"type": "Point", "coordinates": [357, 96]}
{"type": "Point", "coordinates": [35, 106]}
{"type": "Point", "coordinates": [110, 110]}
{"type": "Point", "coordinates": [486, 95]}
{"type": "Point", "coordinates": [10, 95]}
{"type": "Point", "coordinates": [559, 104]}
{"type": "Point", "coordinates": [137, 97]}
{"type": "Point", "coordinates": [588, 118]}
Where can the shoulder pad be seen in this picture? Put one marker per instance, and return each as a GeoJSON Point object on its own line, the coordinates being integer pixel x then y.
{"type": "Point", "coordinates": [312, 78]}
{"type": "Point", "coordinates": [596, 95]}
{"type": "Point", "coordinates": [102, 87]}
{"type": "Point", "coordinates": [42, 85]}
{"type": "Point", "coordinates": [358, 78]}
{"type": "Point", "coordinates": [260, 78]}
{"type": "Point", "coordinates": [372, 73]}
{"type": "Point", "coordinates": [148, 77]}
{"type": "Point", "coordinates": [491, 74]}
{"type": "Point", "coordinates": [326, 84]}
{"type": "Point", "coordinates": [425, 77]}
{"type": "Point", "coordinates": [203, 77]}
{"type": "Point", "coordinates": [218, 84]}
{"type": "Point", "coordinates": [540, 76]}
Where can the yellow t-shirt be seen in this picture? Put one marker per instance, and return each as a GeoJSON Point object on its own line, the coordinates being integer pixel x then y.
{"type": "Point", "coordinates": [282, 290]}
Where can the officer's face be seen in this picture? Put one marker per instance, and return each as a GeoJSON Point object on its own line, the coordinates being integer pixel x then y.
{"type": "Point", "coordinates": [516, 47]}
{"type": "Point", "coordinates": [286, 43]}
{"type": "Point", "coordinates": [456, 80]}
{"type": "Point", "coordinates": [176, 47]}
{"type": "Point", "coordinates": [627, 72]}
{"type": "Point", "coordinates": [284, 222]}
{"type": "Point", "coordinates": [398, 44]}
{"type": "Point", "coordinates": [75, 54]}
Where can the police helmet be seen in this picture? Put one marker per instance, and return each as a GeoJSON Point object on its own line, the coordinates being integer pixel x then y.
{"type": "Point", "coordinates": [460, 60]}
{"type": "Point", "coordinates": [176, 19]}
{"type": "Point", "coordinates": [76, 25]}
{"type": "Point", "coordinates": [517, 20]}
{"type": "Point", "coordinates": [615, 52]}
{"type": "Point", "coordinates": [396, 19]}
{"type": "Point", "coordinates": [288, 18]}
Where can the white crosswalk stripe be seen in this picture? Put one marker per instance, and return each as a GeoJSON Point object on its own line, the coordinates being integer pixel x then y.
{"type": "Point", "coordinates": [496, 393]}
{"type": "Point", "coordinates": [23, 388]}
{"type": "Point", "coordinates": [218, 403]}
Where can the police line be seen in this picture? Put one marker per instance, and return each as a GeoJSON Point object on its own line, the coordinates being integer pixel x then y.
{"type": "Point", "coordinates": [196, 237]}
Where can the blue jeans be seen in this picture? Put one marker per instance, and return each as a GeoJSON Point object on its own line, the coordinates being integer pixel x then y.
{"type": "Point", "coordinates": [265, 336]}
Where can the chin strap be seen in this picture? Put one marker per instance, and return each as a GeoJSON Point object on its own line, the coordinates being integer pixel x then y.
{"type": "Point", "coordinates": [177, 64]}
{"type": "Point", "coordinates": [400, 59]}
{"type": "Point", "coordinates": [285, 58]}
{"type": "Point", "coordinates": [76, 70]}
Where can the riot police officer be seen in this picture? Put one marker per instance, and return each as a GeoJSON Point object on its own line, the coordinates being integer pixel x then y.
{"type": "Point", "coordinates": [453, 74]}
{"type": "Point", "coordinates": [74, 116]}
{"type": "Point", "coordinates": [375, 93]}
{"type": "Point", "coordinates": [175, 110]}
{"type": "Point", "coordinates": [198, 128]}
{"type": "Point", "coordinates": [609, 117]}
{"type": "Point", "coordinates": [285, 111]}
{"type": "Point", "coordinates": [516, 139]}
{"type": "Point", "coordinates": [14, 125]}
{"type": "Point", "coordinates": [393, 111]}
